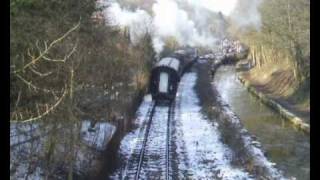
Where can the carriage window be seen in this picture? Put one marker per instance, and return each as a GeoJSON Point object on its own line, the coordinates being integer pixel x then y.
{"type": "Point", "coordinates": [163, 82]}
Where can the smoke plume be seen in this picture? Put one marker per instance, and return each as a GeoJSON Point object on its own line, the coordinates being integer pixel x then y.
{"type": "Point", "coordinates": [138, 21]}
{"type": "Point", "coordinates": [246, 13]}
{"type": "Point", "coordinates": [190, 22]}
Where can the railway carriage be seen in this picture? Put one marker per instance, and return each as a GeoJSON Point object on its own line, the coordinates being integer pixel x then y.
{"type": "Point", "coordinates": [164, 79]}
{"type": "Point", "coordinates": [166, 74]}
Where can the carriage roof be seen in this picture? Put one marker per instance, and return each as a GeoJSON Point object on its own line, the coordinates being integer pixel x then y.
{"type": "Point", "coordinates": [169, 62]}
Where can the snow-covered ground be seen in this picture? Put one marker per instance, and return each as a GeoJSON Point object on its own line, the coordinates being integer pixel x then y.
{"type": "Point", "coordinates": [207, 157]}
{"type": "Point", "coordinates": [197, 151]}
{"type": "Point", "coordinates": [97, 137]}
{"type": "Point", "coordinates": [132, 142]}
{"type": "Point", "coordinates": [154, 165]}
{"type": "Point", "coordinates": [28, 147]}
{"type": "Point", "coordinates": [26, 143]}
{"type": "Point", "coordinates": [252, 146]}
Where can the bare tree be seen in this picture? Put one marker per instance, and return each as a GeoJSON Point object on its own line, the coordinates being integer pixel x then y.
{"type": "Point", "coordinates": [40, 110]}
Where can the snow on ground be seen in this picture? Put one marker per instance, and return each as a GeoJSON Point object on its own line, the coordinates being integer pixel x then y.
{"type": "Point", "coordinates": [199, 152]}
{"type": "Point", "coordinates": [97, 137]}
{"type": "Point", "coordinates": [17, 133]}
{"type": "Point", "coordinates": [253, 146]}
{"type": "Point", "coordinates": [26, 143]}
{"type": "Point", "coordinates": [27, 147]}
{"type": "Point", "coordinates": [133, 138]}
{"type": "Point", "coordinates": [95, 140]}
{"type": "Point", "coordinates": [154, 165]}
{"type": "Point", "coordinates": [207, 156]}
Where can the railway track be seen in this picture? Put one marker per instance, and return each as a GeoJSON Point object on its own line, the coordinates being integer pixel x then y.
{"type": "Point", "coordinates": [142, 150]}
{"type": "Point", "coordinates": [138, 162]}
{"type": "Point", "coordinates": [168, 138]}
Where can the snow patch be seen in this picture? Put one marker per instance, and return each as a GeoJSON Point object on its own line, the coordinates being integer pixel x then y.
{"type": "Point", "coordinates": [26, 143]}
{"type": "Point", "coordinates": [207, 156]}
{"type": "Point", "coordinates": [98, 136]}
{"type": "Point", "coordinates": [253, 146]}
{"type": "Point", "coordinates": [132, 139]}
{"type": "Point", "coordinates": [27, 147]}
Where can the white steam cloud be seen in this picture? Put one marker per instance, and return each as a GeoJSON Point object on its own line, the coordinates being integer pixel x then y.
{"type": "Point", "coordinates": [247, 14]}
{"type": "Point", "coordinates": [170, 20]}
{"type": "Point", "coordinates": [190, 22]}
{"type": "Point", "coordinates": [224, 6]}
{"type": "Point", "coordinates": [138, 21]}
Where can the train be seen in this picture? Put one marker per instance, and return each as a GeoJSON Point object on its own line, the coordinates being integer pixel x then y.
{"type": "Point", "coordinates": [166, 74]}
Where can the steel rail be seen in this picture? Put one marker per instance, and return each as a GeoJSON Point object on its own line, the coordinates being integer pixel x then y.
{"type": "Point", "coordinates": [170, 118]}
{"type": "Point", "coordinates": [142, 150]}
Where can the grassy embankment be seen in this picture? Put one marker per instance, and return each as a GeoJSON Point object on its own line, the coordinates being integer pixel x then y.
{"type": "Point", "coordinates": [280, 55]}
{"type": "Point", "coordinates": [278, 90]}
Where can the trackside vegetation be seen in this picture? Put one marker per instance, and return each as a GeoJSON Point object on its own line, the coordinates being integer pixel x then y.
{"type": "Point", "coordinates": [68, 64]}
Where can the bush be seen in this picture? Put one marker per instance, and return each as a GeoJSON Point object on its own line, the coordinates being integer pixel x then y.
{"type": "Point", "coordinates": [65, 66]}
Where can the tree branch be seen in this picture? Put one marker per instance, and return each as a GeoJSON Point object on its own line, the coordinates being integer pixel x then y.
{"type": "Point", "coordinates": [30, 84]}
{"type": "Point", "coordinates": [46, 50]}
{"type": "Point", "coordinates": [61, 60]}
{"type": "Point", "coordinates": [48, 110]}
{"type": "Point", "coordinates": [39, 73]}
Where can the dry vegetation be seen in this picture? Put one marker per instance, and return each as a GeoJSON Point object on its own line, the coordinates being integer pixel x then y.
{"type": "Point", "coordinates": [67, 64]}
{"type": "Point", "coordinates": [280, 51]}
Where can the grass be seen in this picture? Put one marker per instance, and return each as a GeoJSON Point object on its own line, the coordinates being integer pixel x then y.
{"type": "Point", "coordinates": [277, 81]}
